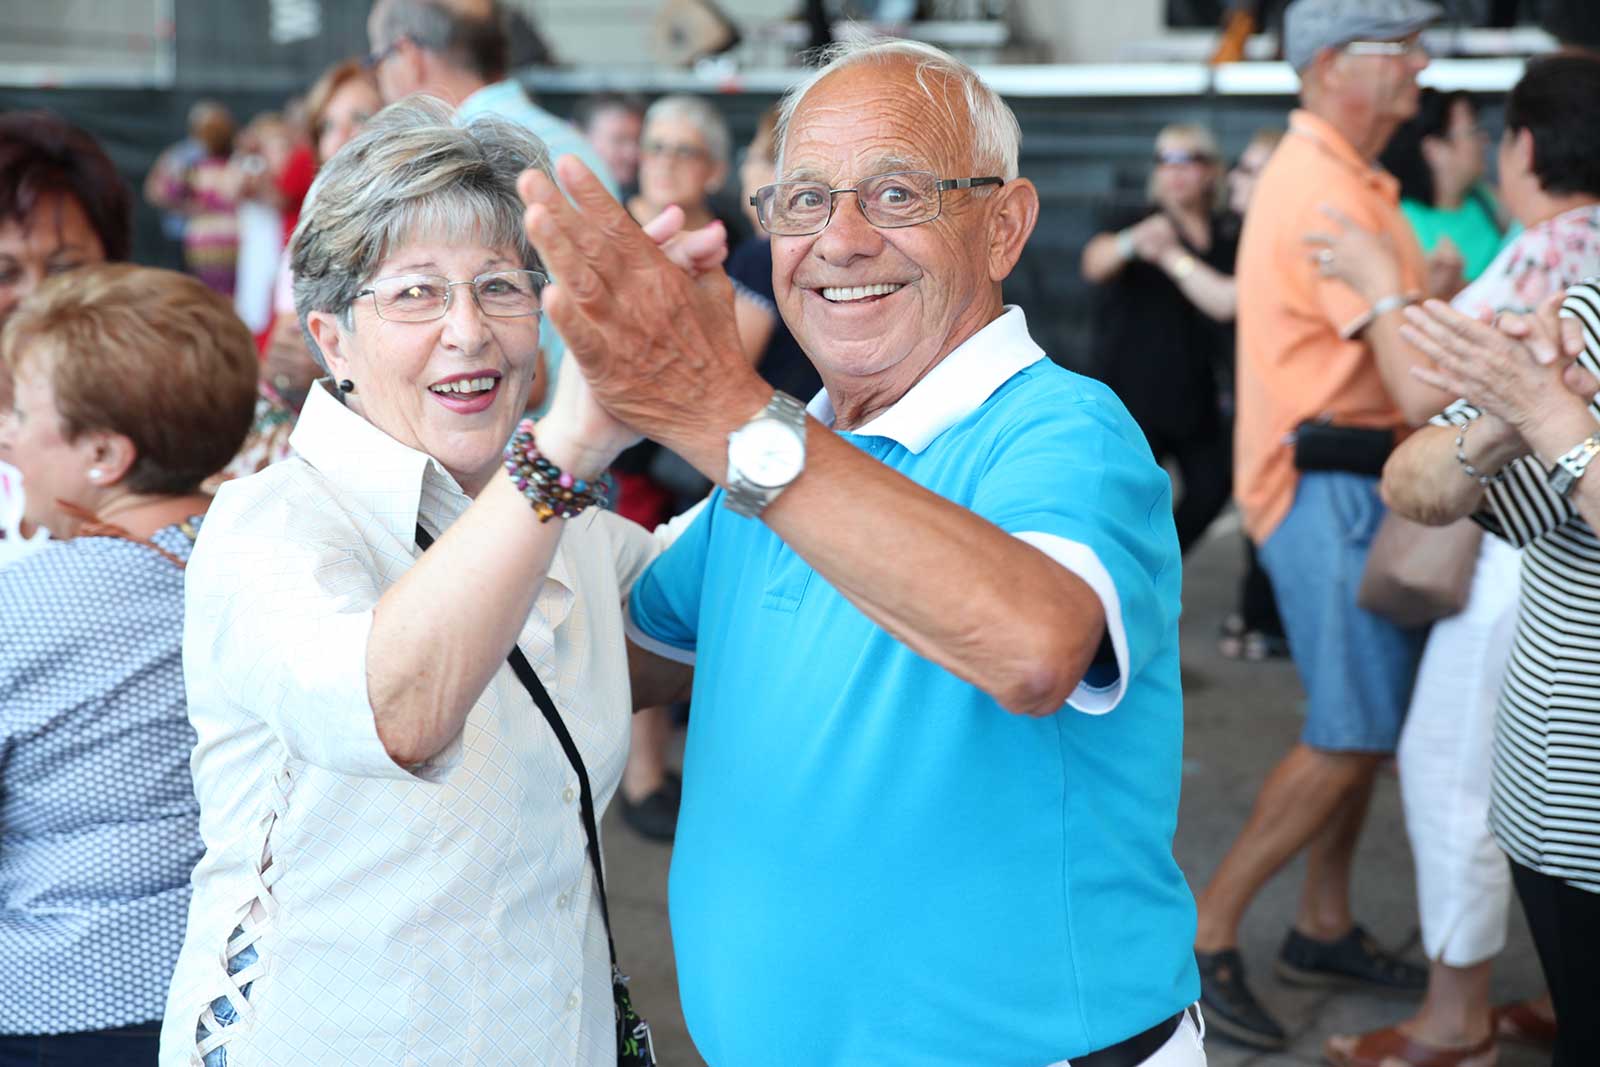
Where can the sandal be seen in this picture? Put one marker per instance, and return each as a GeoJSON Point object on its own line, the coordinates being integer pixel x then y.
{"type": "Point", "coordinates": [1381, 1048]}
{"type": "Point", "coordinates": [1519, 1022]}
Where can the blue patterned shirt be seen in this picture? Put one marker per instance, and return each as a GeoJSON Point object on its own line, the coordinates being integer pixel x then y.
{"type": "Point", "coordinates": [98, 820]}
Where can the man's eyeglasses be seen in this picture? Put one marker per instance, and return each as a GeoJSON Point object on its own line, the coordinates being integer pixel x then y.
{"type": "Point", "coordinates": [677, 152]}
{"type": "Point", "coordinates": [1177, 157]}
{"type": "Point", "coordinates": [375, 58]}
{"type": "Point", "coordinates": [889, 201]}
{"type": "Point", "coordinates": [501, 294]}
{"type": "Point", "coordinates": [1412, 46]}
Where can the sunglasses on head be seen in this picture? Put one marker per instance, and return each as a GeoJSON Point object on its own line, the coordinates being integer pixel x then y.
{"type": "Point", "coordinates": [1175, 157]}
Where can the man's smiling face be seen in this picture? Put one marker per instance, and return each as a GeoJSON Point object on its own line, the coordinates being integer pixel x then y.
{"type": "Point", "coordinates": [874, 305]}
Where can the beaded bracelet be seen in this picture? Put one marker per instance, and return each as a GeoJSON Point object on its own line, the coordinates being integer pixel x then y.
{"type": "Point", "coordinates": [552, 492]}
{"type": "Point", "coordinates": [1485, 480]}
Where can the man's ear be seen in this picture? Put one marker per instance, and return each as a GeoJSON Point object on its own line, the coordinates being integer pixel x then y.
{"type": "Point", "coordinates": [325, 334]}
{"type": "Point", "coordinates": [1013, 213]}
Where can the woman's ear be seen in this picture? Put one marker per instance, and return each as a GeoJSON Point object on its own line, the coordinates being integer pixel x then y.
{"type": "Point", "coordinates": [107, 457]}
{"type": "Point", "coordinates": [328, 336]}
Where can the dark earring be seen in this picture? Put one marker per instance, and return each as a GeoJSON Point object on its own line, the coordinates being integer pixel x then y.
{"type": "Point", "coordinates": [346, 385]}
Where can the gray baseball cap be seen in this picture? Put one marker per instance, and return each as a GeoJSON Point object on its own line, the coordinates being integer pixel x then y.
{"type": "Point", "coordinates": [1312, 25]}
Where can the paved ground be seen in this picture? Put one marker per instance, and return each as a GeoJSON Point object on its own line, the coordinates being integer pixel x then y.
{"type": "Point", "coordinates": [1241, 718]}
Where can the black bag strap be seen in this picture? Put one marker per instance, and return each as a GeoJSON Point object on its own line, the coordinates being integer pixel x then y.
{"type": "Point", "coordinates": [530, 681]}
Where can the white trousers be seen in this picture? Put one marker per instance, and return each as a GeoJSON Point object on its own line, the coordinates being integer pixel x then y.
{"type": "Point", "coordinates": [1446, 757]}
{"type": "Point", "coordinates": [1185, 1048]}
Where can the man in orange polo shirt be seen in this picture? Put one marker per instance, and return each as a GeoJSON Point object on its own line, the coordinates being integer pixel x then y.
{"type": "Point", "coordinates": [1313, 350]}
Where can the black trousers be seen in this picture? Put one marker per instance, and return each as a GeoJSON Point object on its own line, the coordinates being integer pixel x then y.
{"type": "Point", "coordinates": [1565, 922]}
{"type": "Point", "coordinates": [1205, 464]}
{"type": "Point", "coordinates": [125, 1046]}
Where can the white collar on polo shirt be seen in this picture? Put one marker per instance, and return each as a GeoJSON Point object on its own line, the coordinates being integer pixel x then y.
{"type": "Point", "coordinates": [955, 387]}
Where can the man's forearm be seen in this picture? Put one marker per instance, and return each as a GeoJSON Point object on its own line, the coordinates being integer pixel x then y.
{"type": "Point", "coordinates": [952, 586]}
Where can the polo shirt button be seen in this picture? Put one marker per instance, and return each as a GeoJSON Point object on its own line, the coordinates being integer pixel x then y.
{"type": "Point", "coordinates": [572, 1002]}
{"type": "Point", "coordinates": [567, 795]}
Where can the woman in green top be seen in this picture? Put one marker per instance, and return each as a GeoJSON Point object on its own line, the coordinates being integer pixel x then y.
{"type": "Point", "coordinates": [1439, 157]}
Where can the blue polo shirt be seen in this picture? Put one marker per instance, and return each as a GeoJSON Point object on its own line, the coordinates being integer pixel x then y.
{"type": "Point", "coordinates": [876, 863]}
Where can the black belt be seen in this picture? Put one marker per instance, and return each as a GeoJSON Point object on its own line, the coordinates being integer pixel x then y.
{"type": "Point", "coordinates": [1134, 1050]}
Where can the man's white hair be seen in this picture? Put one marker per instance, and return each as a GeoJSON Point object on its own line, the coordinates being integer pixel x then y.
{"type": "Point", "coordinates": [996, 136]}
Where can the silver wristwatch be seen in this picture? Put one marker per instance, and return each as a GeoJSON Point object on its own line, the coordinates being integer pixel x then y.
{"type": "Point", "coordinates": [765, 455]}
{"type": "Point", "coordinates": [1572, 463]}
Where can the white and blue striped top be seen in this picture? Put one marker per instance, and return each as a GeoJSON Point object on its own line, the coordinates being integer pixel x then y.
{"type": "Point", "coordinates": [1545, 808]}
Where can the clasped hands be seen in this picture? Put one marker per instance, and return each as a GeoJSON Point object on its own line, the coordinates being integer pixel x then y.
{"type": "Point", "coordinates": [1519, 369]}
{"type": "Point", "coordinates": [647, 316]}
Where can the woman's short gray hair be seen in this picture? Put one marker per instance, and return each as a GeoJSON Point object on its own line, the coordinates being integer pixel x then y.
{"type": "Point", "coordinates": [996, 136]}
{"type": "Point", "coordinates": [698, 113]}
{"type": "Point", "coordinates": [412, 172]}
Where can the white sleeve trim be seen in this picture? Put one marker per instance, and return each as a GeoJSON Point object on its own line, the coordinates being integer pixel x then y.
{"type": "Point", "coordinates": [650, 644]}
{"type": "Point", "coordinates": [1081, 560]}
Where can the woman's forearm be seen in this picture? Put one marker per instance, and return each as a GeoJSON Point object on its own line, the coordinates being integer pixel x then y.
{"type": "Point", "coordinates": [1103, 258]}
{"type": "Point", "coordinates": [1207, 288]}
{"type": "Point", "coordinates": [1424, 480]}
{"type": "Point", "coordinates": [441, 632]}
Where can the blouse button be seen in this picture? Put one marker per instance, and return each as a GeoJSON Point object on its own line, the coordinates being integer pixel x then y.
{"type": "Point", "coordinates": [561, 901]}
{"type": "Point", "coordinates": [567, 795]}
{"type": "Point", "coordinates": [572, 1002]}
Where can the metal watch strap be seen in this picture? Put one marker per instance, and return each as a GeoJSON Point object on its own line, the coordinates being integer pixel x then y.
{"type": "Point", "coordinates": [1571, 465]}
{"type": "Point", "coordinates": [743, 497]}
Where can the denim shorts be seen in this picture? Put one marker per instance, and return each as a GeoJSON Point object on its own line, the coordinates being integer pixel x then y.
{"type": "Point", "coordinates": [1357, 668]}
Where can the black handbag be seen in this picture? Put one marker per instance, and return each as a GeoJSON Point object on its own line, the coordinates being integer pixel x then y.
{"type": "Point", "coordinates": [1323, 446]}
{"type": "Point", "coordinates": [634, 1045]}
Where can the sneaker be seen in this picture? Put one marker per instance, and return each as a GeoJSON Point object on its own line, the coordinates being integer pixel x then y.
{"type": "Point", "coordinates": [1354, 961]}
{"type": "Point", "coordinates": [1230, 1008]}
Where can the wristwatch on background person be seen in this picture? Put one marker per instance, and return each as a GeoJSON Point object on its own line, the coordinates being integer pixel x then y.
{"type": "Point", "coordinates": [1571, 465]}
{"type": "Point", "coordinates": [765, 455]}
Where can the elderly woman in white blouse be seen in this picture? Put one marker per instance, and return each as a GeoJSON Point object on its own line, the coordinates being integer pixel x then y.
{"type": "Point", "coordinates": [395, 867]}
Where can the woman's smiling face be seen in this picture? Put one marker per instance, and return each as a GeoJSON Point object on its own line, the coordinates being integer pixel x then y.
{"type": "Point", "coordinates": [452, 387]}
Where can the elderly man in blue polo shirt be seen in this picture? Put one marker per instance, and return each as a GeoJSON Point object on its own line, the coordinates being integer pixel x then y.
{"type": "Point", "coordinates": [932, 774]}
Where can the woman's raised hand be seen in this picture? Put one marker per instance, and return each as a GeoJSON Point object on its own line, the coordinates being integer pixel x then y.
{"type": "Point", "coordinates": [1363, 260]}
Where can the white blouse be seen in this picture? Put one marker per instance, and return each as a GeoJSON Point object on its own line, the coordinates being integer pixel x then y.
{"type": "Point", "coordinates": [439, 915]}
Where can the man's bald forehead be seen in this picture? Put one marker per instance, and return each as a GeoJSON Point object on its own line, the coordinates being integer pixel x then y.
{"type": "Point", "coordinates": [928, 104]}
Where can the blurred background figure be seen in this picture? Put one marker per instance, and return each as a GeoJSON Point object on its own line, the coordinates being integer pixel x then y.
{"type": "Point", "coordinates": [341, 102]}
{"type": "Point", "coordinates": [683, 160]}
{"type": "Point", "coordinates": [766, 338]}
{"type": "Point", "coordinates": [1440, 158]}
{"type": "Point", "coordinates": [132, 385]}
{"type": "Point", "coordinates": [200, 186]}
{"type": "Point", "coordinates": [62, 207]}
{"type": "Point", "coordinates": [1254, 630]}
{"type": "Point", "coordinates": [260, 164]}
{"type": "Point", "coordinates": [1242, 178]}
{"type": "Point", "coordinates": [1163, 317]}
{"type": "Point", "coordinates": [613, 123]}
{"type": "Point", "coordinates": [1549, 166]}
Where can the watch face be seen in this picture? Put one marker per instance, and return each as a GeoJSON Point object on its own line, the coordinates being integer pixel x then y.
{"type": "Point", "coordinates": [767, 453]}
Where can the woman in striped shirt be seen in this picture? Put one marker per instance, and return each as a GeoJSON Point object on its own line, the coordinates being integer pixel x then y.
{"type": "Point", "coordinates": [1515, 458]}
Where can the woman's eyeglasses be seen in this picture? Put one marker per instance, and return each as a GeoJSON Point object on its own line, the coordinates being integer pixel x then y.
{"type": "Point", "coordinates": [501, 294]}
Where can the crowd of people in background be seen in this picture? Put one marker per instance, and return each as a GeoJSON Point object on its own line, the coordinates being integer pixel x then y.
{"type": "Point", "coordinates": [1346, 324]}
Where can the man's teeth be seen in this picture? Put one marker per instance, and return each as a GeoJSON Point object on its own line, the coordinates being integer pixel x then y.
{"type": "Point", "coordinates": [859, 292]}
{"type": "Point", "coordinates": [464, 385]}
